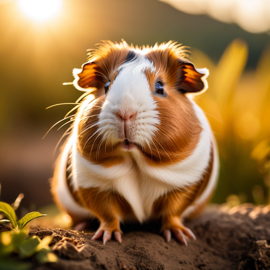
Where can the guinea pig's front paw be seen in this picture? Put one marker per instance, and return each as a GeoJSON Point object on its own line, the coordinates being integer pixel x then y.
{"type": "Point", "coordinates": [105, 232]}
{"type": "Point", "coordinates": [179, 231]}
{"type": "Point", "coordinates": [179, 234]}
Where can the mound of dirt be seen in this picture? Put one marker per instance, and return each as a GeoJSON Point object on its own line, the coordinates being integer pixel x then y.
{"type": "Point", "coordinates": [226, 239]}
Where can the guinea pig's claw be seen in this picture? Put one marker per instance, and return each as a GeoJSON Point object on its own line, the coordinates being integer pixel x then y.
{"type": "Point", "coordinates": [107, 235]}
{"type": "Point", "coordinates": [118, 237]}
{"type": "Point", "coordinates": [167, 235]}
{"type": "Point", "coordinates": [179, 234]}
{"type": "Point", "coordinates": [189, 233]}
{"type": "Point", "coordinates": [98, 235]}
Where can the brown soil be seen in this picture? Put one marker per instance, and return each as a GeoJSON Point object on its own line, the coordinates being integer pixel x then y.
{"type": "Point", "coordinates": [226, 239]}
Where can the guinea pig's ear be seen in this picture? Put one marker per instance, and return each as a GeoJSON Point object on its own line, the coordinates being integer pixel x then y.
{"type": "Point", "coordinates": [192, 80]}
{"type": "Point", "coordinates": [88, 77]}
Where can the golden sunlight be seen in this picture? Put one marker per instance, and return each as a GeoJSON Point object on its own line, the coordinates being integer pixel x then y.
{"type": "Point", "coordinates": [251, 15]}
{"type": "Point", "coordinates": [40, 10]}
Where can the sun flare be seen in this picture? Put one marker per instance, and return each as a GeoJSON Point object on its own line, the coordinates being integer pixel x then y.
{"type": "Point", "coordinates": [40, 10]}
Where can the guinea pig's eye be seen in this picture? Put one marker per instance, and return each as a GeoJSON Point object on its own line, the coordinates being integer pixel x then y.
{"type": "Point", "coordinates": [159, 88]}
{"type": "Point", "coordinates": [106, 86]}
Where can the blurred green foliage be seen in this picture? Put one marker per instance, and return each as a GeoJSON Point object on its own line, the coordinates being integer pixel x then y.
{"type": "Point", "coordinates": [237, 106]}
{"type": "Point", "coordinates": [15, 245]}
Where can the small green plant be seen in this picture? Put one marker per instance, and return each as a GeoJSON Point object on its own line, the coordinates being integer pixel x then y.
{"type": "Point", "coordinates": [9, 212]}
{"type": "Point", "coordinates": [16, 246]}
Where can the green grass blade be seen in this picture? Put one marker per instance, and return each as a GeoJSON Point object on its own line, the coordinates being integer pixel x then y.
{"type": "Point", "coordinates": [28, 217]}
{"type": "Point", "coordinates": [229, 70]}
{"type": "Point", "coordinates": [9, 212]}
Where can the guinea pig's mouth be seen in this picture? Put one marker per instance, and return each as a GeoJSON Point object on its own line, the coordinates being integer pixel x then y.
{"type": "Point", "coordinates": [128, 145]}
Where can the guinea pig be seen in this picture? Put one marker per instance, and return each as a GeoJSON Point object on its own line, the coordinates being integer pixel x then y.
{"type": "Point", "coordinates": [140, 147]}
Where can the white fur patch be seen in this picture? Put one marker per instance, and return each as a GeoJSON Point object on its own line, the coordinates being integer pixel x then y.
{"type": "Point", "coordinates": [130, 92]}
{"type": "Point", "coordinates": [210, 186]}
{"type": "Point", "coordinates": [188, 171]}
{"type": "Point", "coordinates": [62, 190]}
{"type": "Point", "coordinates": [122, 178]}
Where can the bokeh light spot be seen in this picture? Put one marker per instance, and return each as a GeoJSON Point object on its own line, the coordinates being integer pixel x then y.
{"type": "Point", "coordinates": [40, 10]}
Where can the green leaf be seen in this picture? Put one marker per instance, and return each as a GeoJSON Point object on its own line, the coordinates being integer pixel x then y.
{"type": "Point", "coordinates": [45, 256]}
{"type": "Point", "coordinates": [18, 237]}
{"type": "Point", "coordinates": [33, 245]}
{"type": "Point", "coordinates": [28, 247]}
{"type": "Point", "coordinates": [28, 217]}
{"type": "Point", "coordinates": [2, 221]}
{"type": "Point", "coordinates": [11, 240]}
{"type": "Point", "coordinates": [9, 212]}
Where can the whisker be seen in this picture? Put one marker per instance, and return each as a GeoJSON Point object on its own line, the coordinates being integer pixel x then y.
{"type": "Point", "coordinates": [100, 132]}
{"type": "Point", "coordinates": [66, 124]}
{"type": "Point", "coordinates": [164, 150]}
{"type": "Point", "coordinates": [82, 96]}
{"type": "Point", "coordinates": [90, 138]}
{"type": "Point", "coordinates": [157, 151]}
{"type": "Point", "coordinates": [99, 146]}
{"type": "Point", "coordinates": [219, 120]}
{"type": "Point", "coordinates": [65, 134]}
{"type": "Point", "coordinates": [88, 128]}
{"type": "Point", "coordinates": [57, 124]}
{"type": "Point", "coordinates": [73, 109]}
{"type": "Point", "coordinates": [107, 141]}
{"type": "Point", "coordinates": [60, 104]}
{"type": "Point", "coordinates": [150, 149]}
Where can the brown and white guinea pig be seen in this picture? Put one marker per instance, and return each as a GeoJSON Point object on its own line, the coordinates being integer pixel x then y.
{"type": "Point", "coordinates": [140, 147]}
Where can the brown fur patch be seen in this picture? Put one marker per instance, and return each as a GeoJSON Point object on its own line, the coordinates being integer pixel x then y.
{"type": "Point", "coordinates": [174, 68]}
{"type": "Point", "coordinates": [102, 66]}
{"type": "Point", "coordinates": [179, 129]}
{"type": "Point", "coordinates": [91, 144]}
{"type": "Point", "coordinates": [171, 206]}
{"type": "Point", "coordinates": [107, 206]}
{"type": "Point", "coordinates": [178, 133]}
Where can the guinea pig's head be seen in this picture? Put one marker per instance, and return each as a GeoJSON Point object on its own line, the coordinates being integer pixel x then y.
{"type": "Point", "coordinates": [138, 104]}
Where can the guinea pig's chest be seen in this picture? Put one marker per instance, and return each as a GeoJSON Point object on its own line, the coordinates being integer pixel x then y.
{"type": "Point", "coordinates": [138, 182]}
{"type": "Point", "coordinates": [138, 188]}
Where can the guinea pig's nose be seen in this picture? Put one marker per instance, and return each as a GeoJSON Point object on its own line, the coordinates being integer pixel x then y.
{"type": "Point", "coordinates": [125, 116]}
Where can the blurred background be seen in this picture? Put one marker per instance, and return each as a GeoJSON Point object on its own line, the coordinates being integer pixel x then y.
{"type": "Point", "coordinates": [41, 41]}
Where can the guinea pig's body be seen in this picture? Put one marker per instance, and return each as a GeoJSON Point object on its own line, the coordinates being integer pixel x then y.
{"type": "Point", "coordinates": [140, 147]}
